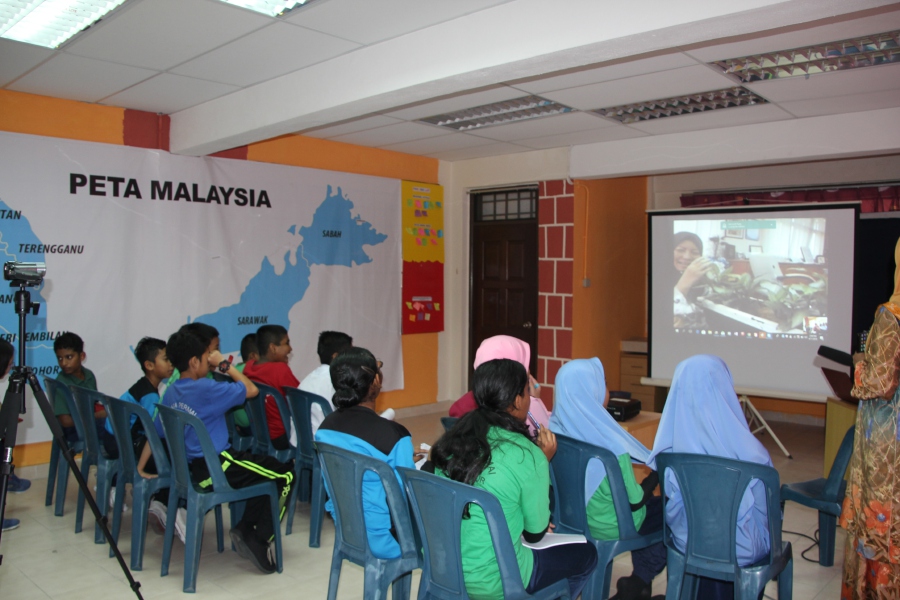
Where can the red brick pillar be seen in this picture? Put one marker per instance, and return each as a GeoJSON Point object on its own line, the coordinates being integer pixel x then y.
{"type": "Point", "coordinates": [556, 228]}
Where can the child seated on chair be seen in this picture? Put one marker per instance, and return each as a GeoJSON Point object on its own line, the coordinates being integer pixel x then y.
{"type": "Point", "coordinates": [490, 448]}
{"type": "Point", "coordinates": [210, 337]}
{"type": "Point", "coordinates": [272, 369]}
{"type": "Point", "coordinates": [151, 355]}
{"type": "Point", "coordinates": [209, 400]}
{"type": "Point", "coordinates": [249, 352]}
{"type": "Point", "coordinates": [702, 415]}
{"type": "Point", "coordinates": [579, 412]}
{"type": "Point", "coordinates": [355, 425]}
{"type": "Point", "coordinates": [331, 343]}
{"type": "Point", "coordinates": [69, 350]}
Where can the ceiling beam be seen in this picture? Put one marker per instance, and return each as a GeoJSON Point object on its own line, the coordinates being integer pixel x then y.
{"type": "Point", "coordinates": [829, 137]}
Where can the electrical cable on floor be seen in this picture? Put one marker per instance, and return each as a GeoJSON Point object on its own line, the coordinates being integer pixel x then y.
{"type": "Point", "coordinates": [815, 543]}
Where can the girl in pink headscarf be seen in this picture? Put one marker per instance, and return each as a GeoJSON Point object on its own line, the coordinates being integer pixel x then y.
{"type": "Point", "coordinates": [504, 346]}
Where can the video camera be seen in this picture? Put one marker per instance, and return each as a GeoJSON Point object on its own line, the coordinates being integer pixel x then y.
{"type": "Point", "coordinates": [24, 273]}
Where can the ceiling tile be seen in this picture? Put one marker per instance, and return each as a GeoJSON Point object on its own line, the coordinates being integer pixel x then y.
{"type": "Point", "coordinates": [392, 134]}
{"type": "Point", "coordinates": [713, 119]}
{"type": "Point", "coordinates": [77, 78]}
{"type": "Point", "coordinates": [480, 151]}
{"type": "Point", "coordinates": [832, 32]}
{"type": "Point", "coordinates": [167, 93]}
{"type": "Point", "coordinates": [460, 102]}
{"type": "Point", "coordinates": [367, 22]}
{"type": "Point", "coordinates": [454, 141]}
{"type": "Point", "coordinates": [145, 34]}
{"type": "Point", "coordinates": [351, 127]}
{"type": "Point", "coordinates": [843, 104]}
{"type": "Point", "coordinates": [606, 73]}
{"type": "Point", "coordinates": [264, 54]}
{"type": "Point", "coordinates": [610, 134]}
{"type": "Point", "coordinates": [19, 58]}
{"type": "Point", "coordinates": [567, 123]}
{"type": "Point", "coordinates": [834, 83]}
{"type": "Point", "coordinates": [653, 86]}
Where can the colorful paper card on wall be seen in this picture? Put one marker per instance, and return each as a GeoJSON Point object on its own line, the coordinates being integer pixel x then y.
{"type": "Point", "coordinates": [423, 297]}
{"type": "Point", "coordinates": [423, 222]}
{"type": "Point", "coordinates": [423, 257]}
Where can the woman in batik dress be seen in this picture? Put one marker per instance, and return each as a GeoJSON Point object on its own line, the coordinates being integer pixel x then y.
{"type": "Point", "coordinates": [871, 512]}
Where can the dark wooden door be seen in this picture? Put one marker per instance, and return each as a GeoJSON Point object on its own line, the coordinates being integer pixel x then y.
{"type": "Point", "coordinates": [505, 280]}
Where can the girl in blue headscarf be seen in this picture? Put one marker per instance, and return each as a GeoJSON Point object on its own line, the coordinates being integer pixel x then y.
{"type": "Point", "coordinates": [702, 415]}
{"type": "Point", "coordinates": [580, 412]}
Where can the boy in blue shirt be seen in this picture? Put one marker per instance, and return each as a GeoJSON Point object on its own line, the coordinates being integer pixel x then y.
{"type": "Point", "coordinates": [209, 400]}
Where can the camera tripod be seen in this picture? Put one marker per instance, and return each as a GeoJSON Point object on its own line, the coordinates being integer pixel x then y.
{"type": "Point", "coordinates": [14, 404]}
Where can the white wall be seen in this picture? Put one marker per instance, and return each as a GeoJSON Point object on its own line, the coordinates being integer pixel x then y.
{"type": "Point", "coordinates": [458, 178]}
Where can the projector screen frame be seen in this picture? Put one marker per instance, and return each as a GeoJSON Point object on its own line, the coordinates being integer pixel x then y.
{"type": "Point", "coordinates": [697, 214]}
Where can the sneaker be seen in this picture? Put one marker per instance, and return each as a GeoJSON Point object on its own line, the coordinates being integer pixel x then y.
{"type": "Point", "coordinates": [112, 499]}
{"type": "Point", "coordinates": [389, 414]}
{"type": "Point", "coordinates": [180, 523]}
{"type": "Point", "coordinates": [10, 524]}
{"type": "Point", "coordinates": [156, 517]}
{"type": "Point", "coordinates": [248, 546]}
{"type": "Point", "coordinates": [17, 485]}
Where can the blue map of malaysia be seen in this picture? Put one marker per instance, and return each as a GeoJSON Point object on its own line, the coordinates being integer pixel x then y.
{"type": "Point", "coordinates": [334, 238]}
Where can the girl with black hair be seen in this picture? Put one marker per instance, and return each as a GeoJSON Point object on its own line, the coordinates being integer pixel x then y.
{"type": "Point", "coordinates": [354, 425]}
{"type": "Point", "coordinates": [489, 448]}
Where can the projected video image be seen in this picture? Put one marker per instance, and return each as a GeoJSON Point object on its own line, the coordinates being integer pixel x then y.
{"type": "Point", "coordinates": [764, 278]}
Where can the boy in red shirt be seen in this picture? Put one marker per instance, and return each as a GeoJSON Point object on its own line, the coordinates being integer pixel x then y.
{"type": "Point", "coordinates": [272, 369]}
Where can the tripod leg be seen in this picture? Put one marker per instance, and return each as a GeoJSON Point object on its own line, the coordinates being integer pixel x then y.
{"type": "Point", "coordinates": [51, 472]}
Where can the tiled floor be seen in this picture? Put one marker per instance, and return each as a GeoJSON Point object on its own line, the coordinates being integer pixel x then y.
{"type": "Point", "coordinates": [44, 558]}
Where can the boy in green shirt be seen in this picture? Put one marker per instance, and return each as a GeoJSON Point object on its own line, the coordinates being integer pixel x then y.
{"type": "Point", "coordinates": [69, 350]}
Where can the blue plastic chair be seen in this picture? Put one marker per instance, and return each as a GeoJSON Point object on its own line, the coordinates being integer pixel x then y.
{"type": "Point", "coordinates": [344, 471]}
{"type": "Point", "coordinates": [93, 454]}
{"type": "Point", "coordinates": [308, 483]}
{"type": "Point", "coordinates": [202, 500]}
{"type": "Point", "coordinates": [438, 505]}
{"type": "Point", "coordinates": [712, 488]}
{"type": "Point", "coordinates": [259, 424]}
{"type": "Point", "coordinates": [120, 412]}
{"type": "Point", "coordinates": [569, 511]}
{"type": "Point", "coordinates": [449, 422]}
{"type": "Point", "coordinates": [826, 496]}
{"type": "Point", "coordinates": [55, 474]}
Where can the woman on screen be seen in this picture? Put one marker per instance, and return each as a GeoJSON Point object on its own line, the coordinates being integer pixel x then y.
{"type": "Point", "coordinates": [871, 512]}
{"type": "Point", "coordinates": [702, 415]}
{"type": "Point", "coordinates": [690, 267]}
{"type": "Point", "coordinates": [580, 413]}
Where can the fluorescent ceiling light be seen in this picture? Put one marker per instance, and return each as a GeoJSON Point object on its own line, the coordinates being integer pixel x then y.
{"type": "Point", "coordinates": [49, 23]}
{"type": "Point", "coordinates": [680, 105]}
{"type": "Point", "coordinates": [866, 51]}
{"type": "Point", "coordinates": [271, 8]}
{"type": "Point", "coordinates": [498, 113]}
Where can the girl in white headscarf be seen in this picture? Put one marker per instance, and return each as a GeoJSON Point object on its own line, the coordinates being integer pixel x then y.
{"type": "Point", "coordinates": [580, 412]}
{"type": "Point", "coordinates": [702, 415]}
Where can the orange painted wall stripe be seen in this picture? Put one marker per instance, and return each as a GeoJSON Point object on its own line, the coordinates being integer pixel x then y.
{"type": "Point", "coordinates": [40, 115]}
{"type": "Point", "coordinates": [314, 153]}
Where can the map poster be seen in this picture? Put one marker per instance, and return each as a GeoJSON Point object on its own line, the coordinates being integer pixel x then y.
{"type": "Point", "coordinates": [423, 257]}
{"type": "Point", "coordinates": [139, 242]}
